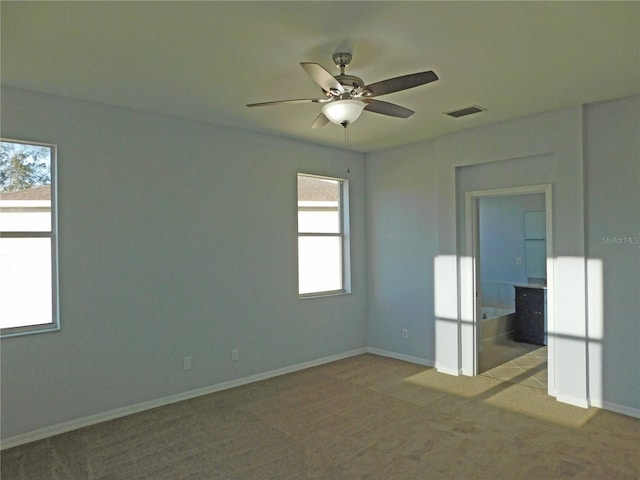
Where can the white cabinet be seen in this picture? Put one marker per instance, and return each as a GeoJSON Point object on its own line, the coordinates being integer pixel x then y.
{"type": "Point", "coordinates": [535, 244]}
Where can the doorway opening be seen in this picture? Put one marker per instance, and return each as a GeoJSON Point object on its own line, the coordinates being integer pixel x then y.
{"type": "Point", "coordinates": [510, 235]}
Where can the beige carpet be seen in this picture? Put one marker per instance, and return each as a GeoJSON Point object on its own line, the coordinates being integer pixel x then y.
{"type": "Point", "coordinates": [365, 417]}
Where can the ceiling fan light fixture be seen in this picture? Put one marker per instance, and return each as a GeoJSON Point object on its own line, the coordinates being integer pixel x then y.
{"type": "Point", "coordinates": [345, 96]}
{"type": "Point", "coordinates": [343, 112]}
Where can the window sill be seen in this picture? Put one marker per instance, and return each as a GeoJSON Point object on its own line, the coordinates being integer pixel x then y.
{"type": "Point", "coordinates": [334, 293]}
{"type": "Point", "coordinates": [29, 330]}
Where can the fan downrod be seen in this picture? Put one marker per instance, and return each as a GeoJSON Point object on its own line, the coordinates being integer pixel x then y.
{"type": "Point", "coordinates": [350, 82]}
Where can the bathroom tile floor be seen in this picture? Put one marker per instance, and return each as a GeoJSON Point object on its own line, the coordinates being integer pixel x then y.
{"type": "Point", "coordinates": [529, 369]}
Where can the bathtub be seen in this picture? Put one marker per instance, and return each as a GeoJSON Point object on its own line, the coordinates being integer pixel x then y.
{"type": "Point", "coordinates": [495, 337]}
{"type": "Point", "coordinates": [495, 312]}
{"type": "Point", "coordinates": [496, 323]}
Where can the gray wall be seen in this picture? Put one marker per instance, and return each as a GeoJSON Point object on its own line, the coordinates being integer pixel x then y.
{"type": "Point", "coordinates": [176, 239]}
{"type": "Point", "coordinates": [612, 205]}
{"type": "Point", "coordinates": [402, 241]}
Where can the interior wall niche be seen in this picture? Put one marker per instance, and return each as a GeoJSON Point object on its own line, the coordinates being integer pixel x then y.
{"type": "Point", "coordinates": [519, 176]}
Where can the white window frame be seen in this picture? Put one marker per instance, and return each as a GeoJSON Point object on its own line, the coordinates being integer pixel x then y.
{"type": "Point", "coordinates": [52, 234]}
{"type": "Point", "coordinates": [343, 209]}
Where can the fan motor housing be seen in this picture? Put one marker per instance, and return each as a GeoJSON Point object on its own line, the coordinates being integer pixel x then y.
{"type": "Point", "coordinates": [349, 82]}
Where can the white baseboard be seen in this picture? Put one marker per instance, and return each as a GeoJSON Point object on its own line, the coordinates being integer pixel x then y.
{"type": "Point", "coordinates": [617, 408]}
{"type": "Point", "coordinates": [400, 356]}
{"type": "Point", "coordinates": [140, 407]}
{"type": "Point", "coordinates": [448, 371]}
{"type": "Point", "coordinates": [575, 401]}
{"type": "Point", "coordinates": [598, 403]}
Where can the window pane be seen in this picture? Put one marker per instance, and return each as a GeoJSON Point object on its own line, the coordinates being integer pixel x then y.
{"type": "Point", "coordinates": [25, 215]}
{"type": "Point", "coordinates": [318, 221]}
{"type": "Point", "coordinates": [319, 264]}
{"type": "Point", "coordinates": [25, 283]}
{"type": "Point", "coordinates": [318, 205]}
{"type": "Point", "coordinates": [25, 187]}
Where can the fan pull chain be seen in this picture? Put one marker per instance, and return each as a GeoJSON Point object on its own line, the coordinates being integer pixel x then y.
{"type": "Point", "coordinates": [346, 135]}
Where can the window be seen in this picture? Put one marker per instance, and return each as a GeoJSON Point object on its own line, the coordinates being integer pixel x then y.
{"type": "Point", "coordinates": [323, 246]}
{"type": "Point", "coordinates": [28, 245]}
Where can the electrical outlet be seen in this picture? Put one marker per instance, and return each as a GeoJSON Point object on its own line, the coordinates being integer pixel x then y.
{"type": "Point", "coordinates": [518, 260]}
{"type": "Point", "coordinates": [234, 354]}
{"type": "Point", "coordinates": [405, 333]}
{"type": "Point", "coordinates": [186, 362]}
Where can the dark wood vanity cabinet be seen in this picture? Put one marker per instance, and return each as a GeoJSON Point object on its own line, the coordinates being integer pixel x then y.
{"type": "Point", "coordinates": [530, 315]}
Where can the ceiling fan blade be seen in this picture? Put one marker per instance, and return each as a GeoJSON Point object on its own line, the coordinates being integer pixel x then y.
{"type": "Point", "coordinates": [293, 101]}
{"type": "Point", "coordinates": [386, 108]}
{"type": "Point", "coordinates": [404, 82]}
{"type": "Point", "coordinates": [320, 121]}
{"type": "Point", "coordinates": [322, 77]}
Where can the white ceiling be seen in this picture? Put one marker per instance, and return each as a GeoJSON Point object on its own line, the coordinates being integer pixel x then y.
{"type": "Point", "coordinates": [206, 60]}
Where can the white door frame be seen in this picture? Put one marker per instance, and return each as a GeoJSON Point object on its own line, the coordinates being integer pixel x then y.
{"type": "Point", "coordinates": [469, 277]}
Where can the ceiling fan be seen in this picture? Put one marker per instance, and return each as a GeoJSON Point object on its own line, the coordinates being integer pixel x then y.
{"type": "Point", "coordinates": [346, 96]}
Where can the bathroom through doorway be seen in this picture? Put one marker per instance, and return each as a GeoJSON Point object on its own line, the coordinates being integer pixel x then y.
{"type": "Point", "coordinates": [510, 234]}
